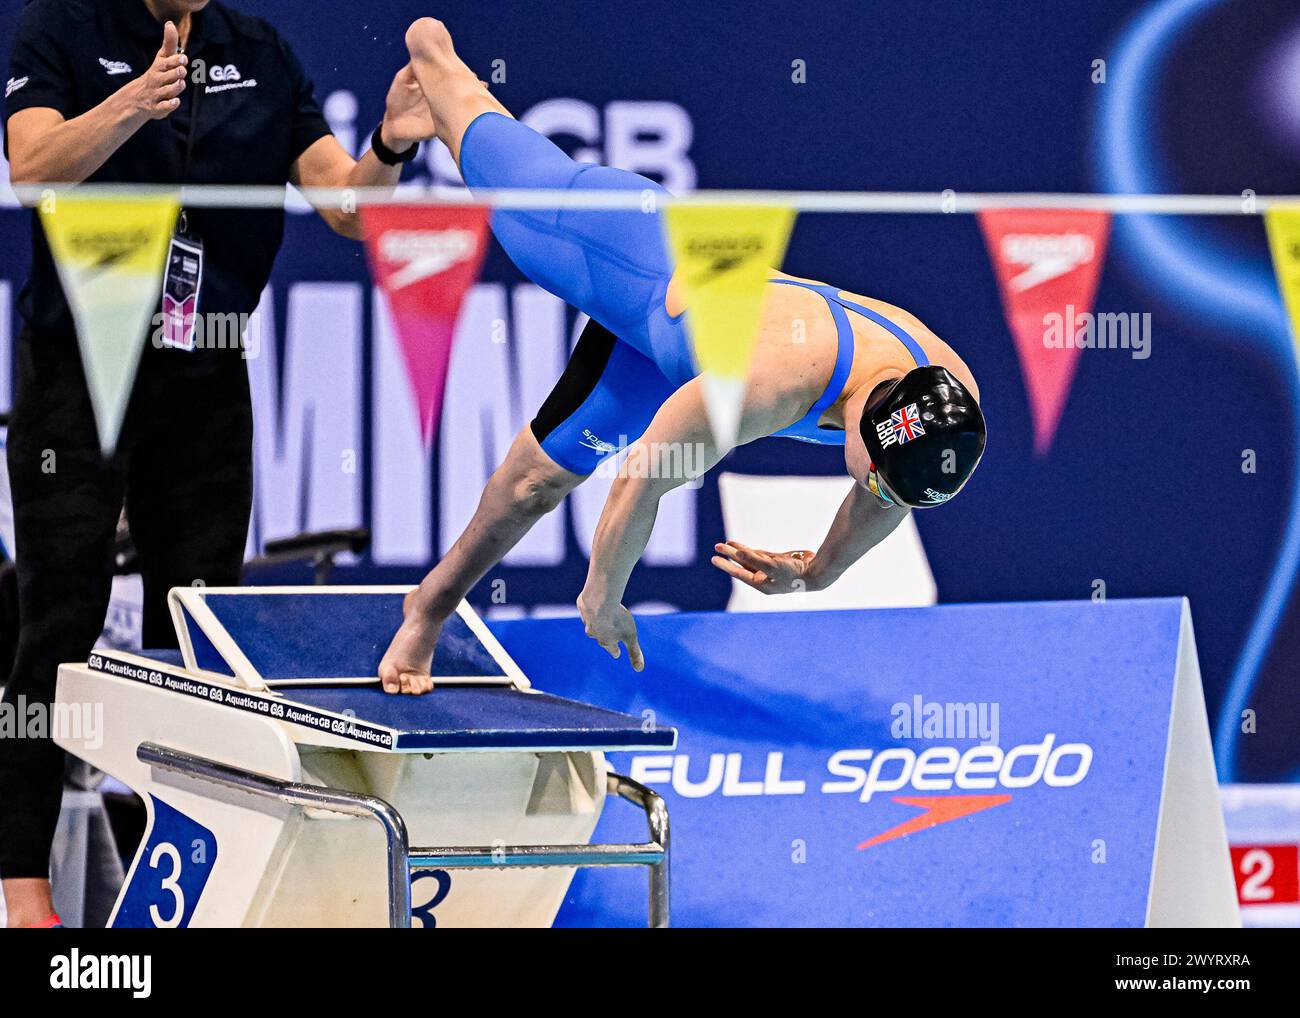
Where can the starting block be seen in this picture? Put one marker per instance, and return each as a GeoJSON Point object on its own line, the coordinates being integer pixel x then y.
{"type": "Point", "coordinates": [285, 788]}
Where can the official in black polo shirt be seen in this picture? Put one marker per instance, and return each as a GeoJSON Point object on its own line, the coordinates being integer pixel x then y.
{"type": "Point", "coordinates": [145, 91]}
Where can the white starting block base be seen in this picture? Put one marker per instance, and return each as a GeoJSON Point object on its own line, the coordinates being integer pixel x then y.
{"type": "Point", "coordinates": [296, 806]}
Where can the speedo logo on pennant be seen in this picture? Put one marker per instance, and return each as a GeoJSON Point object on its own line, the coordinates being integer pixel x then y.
{"type": "Point", "coordinates": [869, 772]}
{"type": "Point", "coordinates": [423, 253]}
{"type": "Point", "coordinates": [1046, 256]}
{"type": "Point", "coordinates": [724, 252]}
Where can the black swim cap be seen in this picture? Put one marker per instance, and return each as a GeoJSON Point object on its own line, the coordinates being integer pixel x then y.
{"type": "Point", "coordinates": [925, 437]}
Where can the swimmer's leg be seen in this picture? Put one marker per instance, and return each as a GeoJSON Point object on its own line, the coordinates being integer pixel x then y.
{"type": "Point", "coordinates": [527, 486]}
{"type": "Point", "coordinates": [603, 402]}
{"type": "Point", "coordinates": [611, 264]}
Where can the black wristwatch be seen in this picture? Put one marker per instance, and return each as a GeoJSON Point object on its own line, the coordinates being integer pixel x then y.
{"type": "Point", "coordinates": [386, 155]}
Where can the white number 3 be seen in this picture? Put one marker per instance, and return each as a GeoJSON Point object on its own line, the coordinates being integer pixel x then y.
{"type": "Point", "coordinates": [168, 884]}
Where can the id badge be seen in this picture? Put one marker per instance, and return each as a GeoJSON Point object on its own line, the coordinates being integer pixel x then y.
{"type": "Point", "coordinates": [180, 302]}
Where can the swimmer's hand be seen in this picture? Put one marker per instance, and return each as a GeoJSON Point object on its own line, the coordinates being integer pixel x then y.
{"type": "Point", "coordinates": [408, 662]}
{"type": "Point", "coordinates": [772, 572]}
{"type": "Point", "coordinates": [609, 624]}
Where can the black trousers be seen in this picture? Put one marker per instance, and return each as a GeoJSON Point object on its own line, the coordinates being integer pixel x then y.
{"type": "Point", "coordinates": [183, 470]}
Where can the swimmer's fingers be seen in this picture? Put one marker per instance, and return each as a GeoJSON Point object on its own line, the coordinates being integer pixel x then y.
{"type": "Point", "coordinates": [605, 634]}
{"type": "Point", "coordinates": [416, 683]}
{"type": "Point", "coordinates": [735, 570]}
{"type": "Point", "coordinates": [756, 567]}
{"type": "Point", "coordinates": [634, 654]}
{"type": "Point", "coordinates": [752, 558]}
{"type": "Point", "coordinates": [612, 633]}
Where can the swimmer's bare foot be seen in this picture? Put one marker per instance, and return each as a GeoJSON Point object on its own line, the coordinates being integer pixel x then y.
{"type": "Point", "coordinates": [455, 95]}
{"type": "Point", "coordinates": [408, 662]}
{"type": "Point", "coordinates": [428, 38]}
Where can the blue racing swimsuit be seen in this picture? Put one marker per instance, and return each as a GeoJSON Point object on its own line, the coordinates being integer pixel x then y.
{"type": "Point", "coordinates": [613, 265]}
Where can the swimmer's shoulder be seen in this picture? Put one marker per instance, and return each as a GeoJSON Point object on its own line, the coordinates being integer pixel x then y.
{"type": "Point", "coordinates": [937, 350]}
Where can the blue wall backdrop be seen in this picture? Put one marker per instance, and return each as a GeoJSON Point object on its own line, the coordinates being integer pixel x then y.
{"type": "Point", "coordinates": [1143, 487]}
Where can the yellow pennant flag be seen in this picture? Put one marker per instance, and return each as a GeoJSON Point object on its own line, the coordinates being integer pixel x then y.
{"type": "Point", "coordinates": [723, 256]}
{"type": "Point", "coordinates": [110, 254]}
{"type": "Point", "coordinates": [1283, 224]}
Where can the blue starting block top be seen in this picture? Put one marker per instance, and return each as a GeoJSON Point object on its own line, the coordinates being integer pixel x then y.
{"type": "Point", "coordinates": [317, 651]}
{"type": "Point", "coordinates": [316, 635]}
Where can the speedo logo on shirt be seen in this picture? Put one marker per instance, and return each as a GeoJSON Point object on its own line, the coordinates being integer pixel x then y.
{"type": "Point", "coordinates": [115, 66]}
{"type": "Point", "coordinates": [14, 85]}
{"type": "Point", "coordinates": [1046, 256]}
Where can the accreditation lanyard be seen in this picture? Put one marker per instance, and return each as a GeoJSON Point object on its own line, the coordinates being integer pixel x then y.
{"type": "Point", "coordinates": [184, 276]}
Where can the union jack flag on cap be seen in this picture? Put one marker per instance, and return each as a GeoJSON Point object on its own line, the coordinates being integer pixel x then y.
{"type": "Point", "coordinates": [903, 426]}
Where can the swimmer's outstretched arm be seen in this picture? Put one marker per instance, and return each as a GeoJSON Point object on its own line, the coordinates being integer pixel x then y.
{"type": "Point", "coordinates": [676, 448]}
{"type": "Point", "coordinates": [861, 523]}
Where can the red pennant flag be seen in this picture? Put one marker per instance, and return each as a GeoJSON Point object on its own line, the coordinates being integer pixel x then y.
{"type": "Point", "coordinates": [425, 257]}
{"type": "Point", "coordinates": [1048, 262]}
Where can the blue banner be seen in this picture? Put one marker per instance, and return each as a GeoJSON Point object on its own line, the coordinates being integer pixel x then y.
{"type": "Point", "coordinates": [996, 765]}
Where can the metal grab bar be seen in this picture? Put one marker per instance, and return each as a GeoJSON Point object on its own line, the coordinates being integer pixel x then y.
{"type": "Point", "coordinates": [654, 854]}
{"type": "Point", "coordinates": [402, 859]}
{"type": "Point", "coordinates": [296, 793]}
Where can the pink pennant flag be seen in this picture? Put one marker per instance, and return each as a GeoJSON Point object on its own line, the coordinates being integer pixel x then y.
{"type": "Point", "coordinates": [1048, 263]}
{"type": "Point", "coordinates": [425, 257]}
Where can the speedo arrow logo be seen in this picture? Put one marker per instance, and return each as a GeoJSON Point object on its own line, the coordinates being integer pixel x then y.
{"type": "Point", "coordinates": [938, 809]}
{"type": "Point", "coordinates": [1045, 256]}
{"type": "Point", "coordinates": [423, 253]}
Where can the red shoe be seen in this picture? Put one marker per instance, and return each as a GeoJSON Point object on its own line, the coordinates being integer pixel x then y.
{"type": "Point", "coordinates": [51, 922]}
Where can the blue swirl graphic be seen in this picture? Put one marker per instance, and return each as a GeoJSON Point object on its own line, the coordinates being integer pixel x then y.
{"type": "Point", "coordinates": [1201, 272]}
